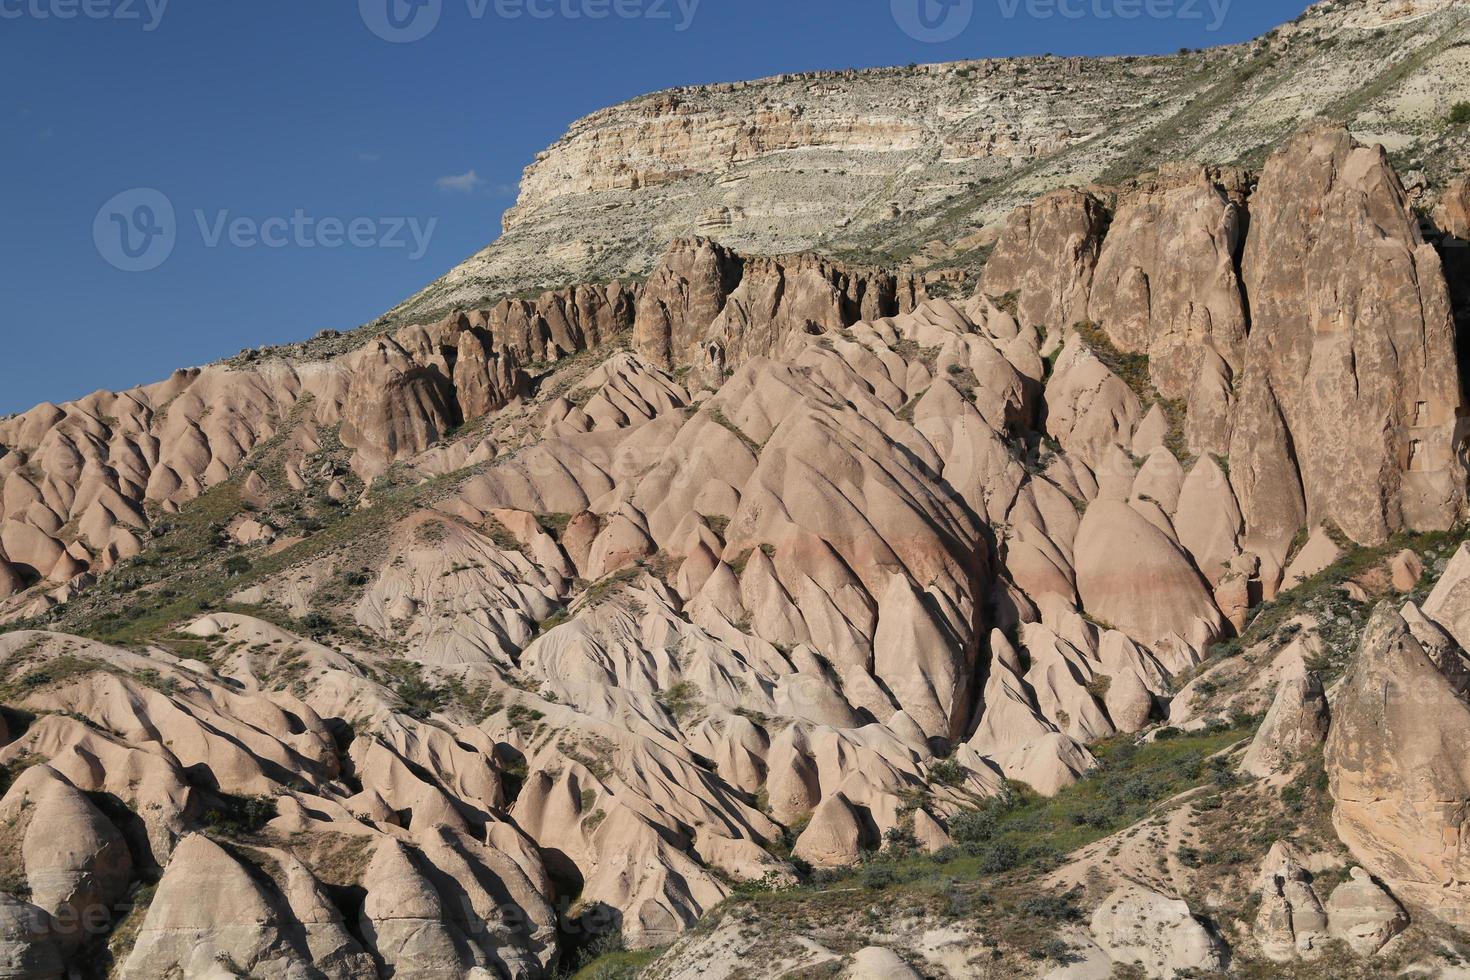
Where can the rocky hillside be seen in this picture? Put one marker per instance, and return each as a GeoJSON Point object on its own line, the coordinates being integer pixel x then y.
{"type": "Point", "coordinates": [915, 164]}
{"type": "Point", "coordinates": [772, 615]}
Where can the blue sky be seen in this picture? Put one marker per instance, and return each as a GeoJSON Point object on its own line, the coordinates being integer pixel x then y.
{"type": "Point", "coordinates": [238, 112]}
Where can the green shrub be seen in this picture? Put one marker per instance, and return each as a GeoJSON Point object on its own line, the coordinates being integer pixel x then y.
{"type": "Point", "coordinates": [1054, 908]}
{"type": "Point", "coordinates": [971, 828]}
{"type": "Point", "coordinates": [901, 840]}
{"type": "Point", "coordinates": [239, 816]}
{"type": "Point", "coordinates": [420, 698]}
{"type": "Point", "coordinates": [877, 877]}
{"type": "Point", "coordinates": [315, 622]}
{"type": "Point", "coordinates": [999, 857]}
{"type": "Point", "coordinates": [1057, 951]}
{"type": "Point", "coordinates": [1460, 113]}
{"type": "Point", "coordinates": [947, 772]}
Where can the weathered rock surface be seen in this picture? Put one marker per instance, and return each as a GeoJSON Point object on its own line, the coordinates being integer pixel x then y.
{"type": "Point", "coordinates": [28, 948]}
{"type": "Point", "coordinates": [1291, 923]}
{"type": "Point", "coordinates": [682, 298]}
{"type": "Point", "coordinates": [1166, 286]}
{"type": "Point", "coordinates": [75, 860]}
{"type": "Point", "coordinates": [1130, 574]}
{"type": "Point", "coordinates": [1350, 357]}
{"type": "Point", "coordinates": [906, 157]}
{"type": "Point", "coordinates": [661, 578]}
{"type": "Point", "coordinates": [877, 963]}
{"type": "Point", "coordinates": [1295, 726]}
{"type": "Point", "coordinates": [1396, 760]}
{"type": "Point", "coordinates": [1449, 604]}
{"type": "Point", "coordinates": [1363, 915]}
{"type": "Point", "coordinates": [705, 305]}
{"type": "Point", "coordinates": [1139, 926]}
{"type": "Point", "coordinates": [1045, 260]}
{"type": "Point", "coordinates": [836, 836]}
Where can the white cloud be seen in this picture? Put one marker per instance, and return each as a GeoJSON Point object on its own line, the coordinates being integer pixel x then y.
{"type": "Point", "coordinates": [462, 184]}
{"type": "Point", "coordinates": [368, 157]}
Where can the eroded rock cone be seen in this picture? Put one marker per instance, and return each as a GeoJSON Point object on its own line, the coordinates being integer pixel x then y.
{"type": "Point", "coordinates": [836, 836]}
{"type": "Point", "coordinates": [485, 381]}
{"type": "Point", "coordinates": [1291, 923]}
{"type": "Point", "coordinates": [10, 580]}
{"type": "Point", "coordinates": [1295, 725]}
{"type": "Point", "coordinates": [1130, 574]}
{"type": "Point", "coordinates": [396, 407]}
{"type": "Point", "coordinates": [1166, 286]}
{"type": "Point", "coordinates": [76, 862]}
{"type": "Point", "coordinates": [1398, 760]}
{"type": "Point", "coordinates": [208, 910]}
{"type": "Point", "coordinates": [878, 963]}
{"type": "Point", "coordinates": [682, 298]}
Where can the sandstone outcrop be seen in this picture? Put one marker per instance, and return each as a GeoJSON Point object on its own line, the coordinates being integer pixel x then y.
{"type": "Point", "coordinates": [617, 591]}
{"type": "Point", "coordinates": [1350, 356]}
{"type": "Point", "coordinates": [705, 305]}
{"type": "Point", "coordinates": [1291, 923]}
{"type": "Point", "coordinates": [1166, 286]}
{"type": "Point", "coordinates": [1046, 258]}
{"type": "Point", "coordinates": [836, 836]}
{"type": "Point", "coordinates": [1449, 604]}
{"type": "Point", "coordinates": [1130, 574]}
{"type": "Point", "coordinates": [1396, 760]}
{"type": "Point", "coordinates": [877, 963]}
{"type": "Point", "coordinates": [28, 948]}
{"type": "Point", "coordinates": [916, 158]}
{"type": "Point", "coordinates": [682, 298]}
{"type": "Point", "coordinates": [1138, 926]}
{"type": "Point", "coordinates": [1363, 915]}
{"type": "Point", "coordinates": [75, 860]}
{"type": "Point", "coordinates": [1294, 727]}
{"type": "Point", "coordinates": [209, 911]}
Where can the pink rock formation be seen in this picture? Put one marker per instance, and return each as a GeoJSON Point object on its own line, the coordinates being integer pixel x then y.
{"type": "Point", "coordinates": [1046, 257]}
{"type": "Point", "coordinates": [1350, 378]}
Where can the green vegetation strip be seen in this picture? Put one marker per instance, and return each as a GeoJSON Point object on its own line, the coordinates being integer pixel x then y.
{"type": "Point", "coordinates": [617, 966]}
{"type": "Point", "coordinates": [185, 572]}
{"type": "Point", "coordinates": [1022, 832]}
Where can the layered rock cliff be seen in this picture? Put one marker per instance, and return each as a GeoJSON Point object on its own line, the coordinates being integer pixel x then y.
{"type": "Point", "coordinates": [909, 163]}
